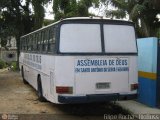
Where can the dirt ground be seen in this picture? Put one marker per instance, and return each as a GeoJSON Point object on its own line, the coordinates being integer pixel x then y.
{"type": "Point", "coordinates": [17, 98]}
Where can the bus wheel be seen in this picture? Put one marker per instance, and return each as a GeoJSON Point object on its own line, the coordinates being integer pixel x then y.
{"type": "Point", "coordinates": [24, 81]}
{"type": "Point", "coordinates": [40, 91]}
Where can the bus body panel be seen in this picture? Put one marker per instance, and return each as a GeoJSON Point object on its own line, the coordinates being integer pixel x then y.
{"type": "Point", "coordinates": [133, 73]}
{"type": "Point", "coordinates": [84, 82]}
{"type": "Point", "coordinates": [45, 69]}
{"type": "Point", "coordinates": [64, 75]}
{"type": "Point", "coordinates": [98, 74]}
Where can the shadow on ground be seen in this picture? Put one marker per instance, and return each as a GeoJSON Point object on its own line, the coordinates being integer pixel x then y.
{"type": "Point", "coordinates": [96, 109]}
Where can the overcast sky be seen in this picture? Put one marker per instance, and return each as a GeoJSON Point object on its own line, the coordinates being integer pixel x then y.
{"type": "Point", "coordinates": [49, 11]}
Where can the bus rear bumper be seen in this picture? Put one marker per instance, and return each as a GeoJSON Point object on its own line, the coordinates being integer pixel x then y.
{"type": "Point", "coordinates": [95, 98]}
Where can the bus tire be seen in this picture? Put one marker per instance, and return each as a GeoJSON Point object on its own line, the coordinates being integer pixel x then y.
{"type": "Point", "coordinates": [22, 72]}
{"type": "Point", "coordinates": [40, 90]}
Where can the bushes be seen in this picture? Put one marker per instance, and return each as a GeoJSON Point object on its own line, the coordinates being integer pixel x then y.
{"type": "Point", "coordinates": [2, 64]}
{"type": "Point", "coordinates": [14, 66]}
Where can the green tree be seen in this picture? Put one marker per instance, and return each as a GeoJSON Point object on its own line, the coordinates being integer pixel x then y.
{"type": "Point", "coordinates": [38, 6]}
{"type": "Point", "coordinates": [47, 22]}
{"type": "Point", "coordinates": [142, 12]}
{"type": "Point", "coordinates": [72, 8]}
{"type": "Point", "coordinates": [16, 18]}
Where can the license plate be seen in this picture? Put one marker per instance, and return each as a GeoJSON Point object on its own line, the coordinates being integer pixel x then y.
{"type": "Point", "coordinates": [103, 85]}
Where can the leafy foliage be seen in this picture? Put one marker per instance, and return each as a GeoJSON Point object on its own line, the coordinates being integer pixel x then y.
{"type": "Point", "coordinates": [14, 66]}
{"type": "Point", "coordinates": [38, 6]}
{"type": "Point", "coordinates": [17, 19]}
{"type": "Point", "coordinates": [142, 12]}
{"type": "Point", "coordinates": [72, 8]}
{"type": "Point", "coordinates": [47, 22]}
{"type": "Point", "coordinates": [2, 64]}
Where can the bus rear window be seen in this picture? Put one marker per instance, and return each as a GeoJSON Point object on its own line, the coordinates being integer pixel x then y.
{"type": "Point", "coordinates": [80, 38]}
{"type": "Point", "coordinates": [119, 39]}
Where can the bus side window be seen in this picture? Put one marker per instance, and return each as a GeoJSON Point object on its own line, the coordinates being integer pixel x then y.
{"type": "Point", "coordinates": [24, 44]}
{"type": "Point", "coordinates": [43, 41]}
{"type": "Point", "coordinates": [35, 42]}
{"type": "Point", "coordinates": [27, 43]}
{"type": "Point", "coordinates": [39, 42]}
{"type": "Point", "coordinates": [51, 41]}
{"type": "Point", "coordinates": [32, 44]}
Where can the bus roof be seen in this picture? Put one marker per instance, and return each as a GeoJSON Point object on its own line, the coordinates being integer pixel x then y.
{"type": "Point", "coordinates": [91, 17]}
{"type": "Point", "coordinates": [79, 19]}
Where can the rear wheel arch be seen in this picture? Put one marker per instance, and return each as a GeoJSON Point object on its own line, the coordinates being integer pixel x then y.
{"type": "Point", "coordinates": [39, 83]}
{"type": "Point", "coordinates": [40, 89]}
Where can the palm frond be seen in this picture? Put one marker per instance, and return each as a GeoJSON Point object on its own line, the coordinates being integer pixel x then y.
{"type": "Point", "coordinates": [116, 13]}
{"type": "Point", "coordinates": [121, 4]}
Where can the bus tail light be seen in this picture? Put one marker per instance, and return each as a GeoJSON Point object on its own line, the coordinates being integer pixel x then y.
{"type": "Point", "coordinates": [134, 86]}
{"type": "Point", "coordinates": [64, 90]}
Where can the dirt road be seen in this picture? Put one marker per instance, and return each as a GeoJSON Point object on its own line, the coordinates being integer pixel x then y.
{"type": "Point", "coordinates": [17, 98]}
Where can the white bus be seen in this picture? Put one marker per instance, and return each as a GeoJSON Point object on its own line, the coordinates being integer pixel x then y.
{"type": "Point", "coordinates": [81, 60]}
